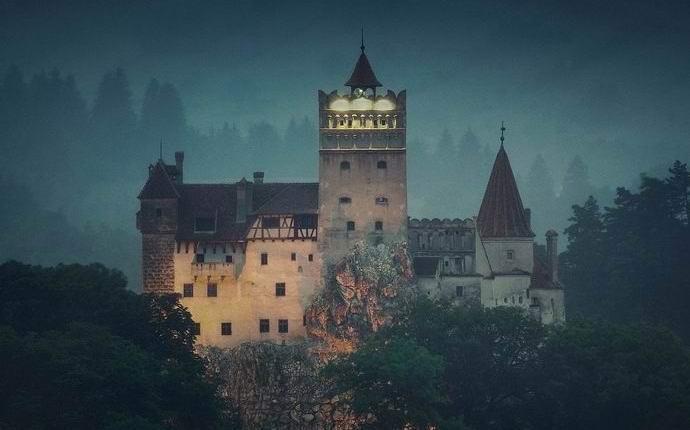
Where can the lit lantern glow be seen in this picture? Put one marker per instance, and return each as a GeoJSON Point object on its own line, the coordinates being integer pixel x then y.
{"type": "Point", "coordinates": [383, 104]}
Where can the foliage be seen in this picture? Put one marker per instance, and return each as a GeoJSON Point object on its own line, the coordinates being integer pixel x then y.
{"type": "Point", "coordinates": [629, 263]}
{"type": "Point", "coordinates": [499, 369]}
{"type": "Point", "coordinates": [90, 352]}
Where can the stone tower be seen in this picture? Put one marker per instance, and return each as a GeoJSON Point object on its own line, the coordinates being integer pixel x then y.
{"type": "Point", "coordinates": [362, 167]}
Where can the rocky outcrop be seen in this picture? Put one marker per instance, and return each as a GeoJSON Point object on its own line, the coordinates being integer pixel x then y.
{"type": "Point", "coordinates": [361, 293]}
{"type": "Point", "coordinates": [279, 386]}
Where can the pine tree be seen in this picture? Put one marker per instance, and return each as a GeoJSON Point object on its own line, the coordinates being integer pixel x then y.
{"type": "Point", "coordinates": [540, 196]}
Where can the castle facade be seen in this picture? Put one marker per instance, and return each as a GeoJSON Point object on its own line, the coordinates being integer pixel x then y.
{"type": "Point", "coordinates": [247, 257]}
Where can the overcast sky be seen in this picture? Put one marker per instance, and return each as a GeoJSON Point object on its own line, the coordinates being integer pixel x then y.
{"type": "Point", "coordinates": [609, 80]}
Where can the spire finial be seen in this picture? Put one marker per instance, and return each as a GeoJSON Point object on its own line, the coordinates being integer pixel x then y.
{"type": "Point", "coordinates": [160, 148]}
{"type": "Point", "coordinates": [362, 45]}
{"type": "Point", "coordinates": [503, 128]}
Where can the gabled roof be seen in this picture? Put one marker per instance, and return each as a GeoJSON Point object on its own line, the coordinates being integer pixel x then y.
{"type": "Point", "coordinates": [363, 76]}
{"type": "Point", "coordinates": [287, 198]}
{"type": "Point", "coordinates": [159, 185]}
{"type": "Point", "coordinates": [501, 213]}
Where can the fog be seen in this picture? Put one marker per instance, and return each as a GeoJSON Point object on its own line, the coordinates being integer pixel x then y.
{"type": "Point", "coordinates": [593, 94]}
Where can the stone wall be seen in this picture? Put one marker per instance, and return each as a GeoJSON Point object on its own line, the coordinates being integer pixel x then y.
{"type": "Point", "coordinates": [158, 264]}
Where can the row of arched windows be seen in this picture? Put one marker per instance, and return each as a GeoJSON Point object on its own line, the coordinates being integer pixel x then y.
{"type": "Point", "coordinates": [362, 121]}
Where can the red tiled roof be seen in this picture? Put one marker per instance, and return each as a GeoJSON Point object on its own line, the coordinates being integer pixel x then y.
{"type": "Point", "coordinates": [501, 213]}
{"type": "Point", "coordinates": [363, 76]}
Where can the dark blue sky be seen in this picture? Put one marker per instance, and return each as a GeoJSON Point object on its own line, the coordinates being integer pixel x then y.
{"type": "Point", "coordinates": [607, 80]}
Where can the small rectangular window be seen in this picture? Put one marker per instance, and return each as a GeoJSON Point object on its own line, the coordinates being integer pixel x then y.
{"type": "Point", "coordinates": [293, 256]}
{"type": "Point", "coordinates": [228, 258]}
{"type": "Point", "coordinates": [459, 290]}
{"type": "Point", "coordinates": [196, 331]}
{"type": "Point", "coordinates": [378, 226]}
{"type": "Point", "coordinates": [212, 290]}
{"type": "Point", "coordinates": [204, 224]}
{"type": "Point", "coordinates": [264, 326]}
{"type": "Point", "coordinates": [510, 254]}
{"type": "Point", "coordinates": [304, 320]}
{"type": "Point", "coordinates": [188, 290]}
{"type": "Point", "coordinates": [383, 201]}
{"type": "Point", "coordinates": [264, 259]}
{"type": "Point", "coordinates": [226, 329]}
{"type": "Point", "coordinates": [282, 326]}
{"type": "Point", "coordinates": [311, 257]}
{"type": "Point", "coordinates": [350, 226]}
{"type": "Point", "coordinates": [280, 289]}
{"type": "Point", "coordinates": [200, 258]}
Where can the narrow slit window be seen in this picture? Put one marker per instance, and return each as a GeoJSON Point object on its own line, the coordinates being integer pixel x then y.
{"type": "Point", "coordinates": [264, 259]}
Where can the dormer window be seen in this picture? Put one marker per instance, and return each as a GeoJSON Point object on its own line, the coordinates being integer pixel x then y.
{"type": "Point", "coordinates": [204, 224]}
{"type": "Point", "coordinates": [344, 165]}
{"type": "Point", "coordinates": [345, 200]}
{"type": "Point", "coordinates": [381, 164]}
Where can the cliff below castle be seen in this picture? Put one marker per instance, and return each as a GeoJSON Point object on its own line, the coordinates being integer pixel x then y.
{"type": "Point", "coordinates": [279, 386]}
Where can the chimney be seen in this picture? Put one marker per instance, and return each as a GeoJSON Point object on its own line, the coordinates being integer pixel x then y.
{"type": "Point", "coordinates": [179, 162]}
{"type": "Point", "coordinates": [528, 216]}
{"type": "Point", "coordinates": [552, 254]}
{"type": "Point", "coordinates": [258, 177]}
{"type": "Point", "coordinates": [244, 200]}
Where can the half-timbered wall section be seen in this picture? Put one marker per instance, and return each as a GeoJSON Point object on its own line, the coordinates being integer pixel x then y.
{"type": "Point", "coordinates": [284, 227]}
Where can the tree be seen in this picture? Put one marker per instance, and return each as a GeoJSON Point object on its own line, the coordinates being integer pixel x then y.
{"type": "Point", "coordinates": [540, 195]}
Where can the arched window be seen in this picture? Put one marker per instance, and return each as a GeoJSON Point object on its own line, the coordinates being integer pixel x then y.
{"type": "Point", "coordinates": [344, 165]}
{"type": "Point", "coordinates": [345, 200]}
{"type": "Point", "coordinates": [381, 164]}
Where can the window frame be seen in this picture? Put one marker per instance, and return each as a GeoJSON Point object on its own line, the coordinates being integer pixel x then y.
{"type": "Point", "coordinates": [264, 325]}
{"type": "Point", "coordinates": [223, 327]}
{"type": "Point", "coordinates": [187, 290]}
{"type": "Point", "coordinates": [350, 226]}
{"type": "Point", "coordinates": [264, 258]}
{"type": "Point", "coordinates": [281, 289]}
{"type": "Point", "coordinates": [283, 326]}
{"type": "Point", "coordinates": [212, 287]}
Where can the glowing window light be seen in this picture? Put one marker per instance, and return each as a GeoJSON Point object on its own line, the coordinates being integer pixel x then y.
{"type": "Point", "coordinates": [384, 104]}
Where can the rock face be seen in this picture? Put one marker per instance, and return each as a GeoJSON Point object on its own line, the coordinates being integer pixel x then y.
{"type": "Point", "coordinates": [279, 386]}
{"type": "Point", "coordinates": [361, 293]}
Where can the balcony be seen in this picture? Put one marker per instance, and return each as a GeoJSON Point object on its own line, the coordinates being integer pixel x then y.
{"type": "Point", "coordinates": [215, 270]}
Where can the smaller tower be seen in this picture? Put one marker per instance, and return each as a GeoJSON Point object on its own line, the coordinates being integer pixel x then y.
{"type": "Point", "coordinates": [552, 254]}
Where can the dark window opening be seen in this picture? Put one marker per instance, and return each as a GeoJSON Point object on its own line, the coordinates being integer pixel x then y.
{"type": "Point", "coordinates": [381, 165]}
{"type": "Point", "coordinates": [264, 259]}
{"type": "Point", "coordinates": [350, 226]}
{"type": "Point", "coordinates": [345, 200]}
{"type": "Point", "coordinates": [188, 290]}
{"type": "Point", "coordinates": [228, 258]}
{"type": "Point", "coordinates": [204, 224]}
{"type": "Point", "coordinates": [510, 254]}
{"type": "Point", "coordinates": [293, 256]}
{"type": "Point", "coordinates": [311, 257]}
{"type": "Point", "coordinates": [383, 122]}
{"type": "Point", "coordinates": [280, 289]}
{"type": "Point", "coordinates": [378, 226]}
{"type": "Point", "coordinates": [459, 290]}
{"type": "Point", "coordinates": [282, 326]}
{"type": "Point", "coordinates": [197, 329]}
{"type": "Point", "coordinates": [264, 326]}
{"type": "Point", "coordinates": [200, 258]}
{"type": "Point", "coordinates": [304, 320]}
{"type": "Point", "coordinates": [226, 329]}
{"type": "Point", "coordinates": [159, 212]}
{"type": "Point", "coordinates": [376, 123]}
{"type": "Point", "coordinates": [212, 290]}
{"type": "Point", "coordinates": [305, 221]}
{"type": "Point", "coordinates": [344, 165]}
{"type": "Point", "coordinates": [270, 222]}
{"type": "Point", "coordinates": [520, 299]}
{"type": "Point", "coordinates": [382, 201]}
{"type": "Point", "coordinates": [349, 122]}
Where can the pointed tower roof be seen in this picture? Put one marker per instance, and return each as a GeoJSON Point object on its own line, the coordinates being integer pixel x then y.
{"type": "Point", "coordinates": [502, 213]}
{"type": "Point", "coordinates": [363, 75]}
{"type": "Point", "coordinates": [159, 184]}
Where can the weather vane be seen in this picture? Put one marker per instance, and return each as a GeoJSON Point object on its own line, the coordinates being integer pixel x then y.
{"type": "Point", "coordinates": [503, 128]}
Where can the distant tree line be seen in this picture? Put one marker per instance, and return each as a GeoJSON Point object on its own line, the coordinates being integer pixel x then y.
{"type": "Point", "coordinates": [629, 262]}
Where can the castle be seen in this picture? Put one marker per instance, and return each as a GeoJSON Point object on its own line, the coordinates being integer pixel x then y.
{"type": "Point", "coordinates": [247, 257]}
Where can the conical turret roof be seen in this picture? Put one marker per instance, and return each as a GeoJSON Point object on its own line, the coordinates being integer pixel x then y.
{"type": "Point", "coordinates": [363, 75]}
{"type": "Point", "coordinates": [159, 184]}
{"type": "Point", "coordinates": [502, 213]}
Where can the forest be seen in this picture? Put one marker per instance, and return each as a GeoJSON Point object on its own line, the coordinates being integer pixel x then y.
{"type": "Point", "coordinates": [73, 167]}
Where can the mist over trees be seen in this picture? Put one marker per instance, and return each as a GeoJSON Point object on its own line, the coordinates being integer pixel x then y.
{"type": "Point", "coordinates": [74, 167]}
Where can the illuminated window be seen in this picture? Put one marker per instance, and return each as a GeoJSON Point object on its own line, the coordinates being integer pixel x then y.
{"type": "Point", "coordinates": [282, 326]}
{"type": "Point", "coordinates": [226, 329]}
{"type": "Point", "coordinates": [264, 326]}
{"type": "Point", "coordinates": [344, 165]}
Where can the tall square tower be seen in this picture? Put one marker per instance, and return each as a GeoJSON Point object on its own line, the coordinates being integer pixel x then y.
{"type": "Point", "coordinates": [362, 164]}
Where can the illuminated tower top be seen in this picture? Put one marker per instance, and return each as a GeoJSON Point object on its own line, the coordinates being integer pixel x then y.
{"type": "Point", "coordinates": [363, 77]}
